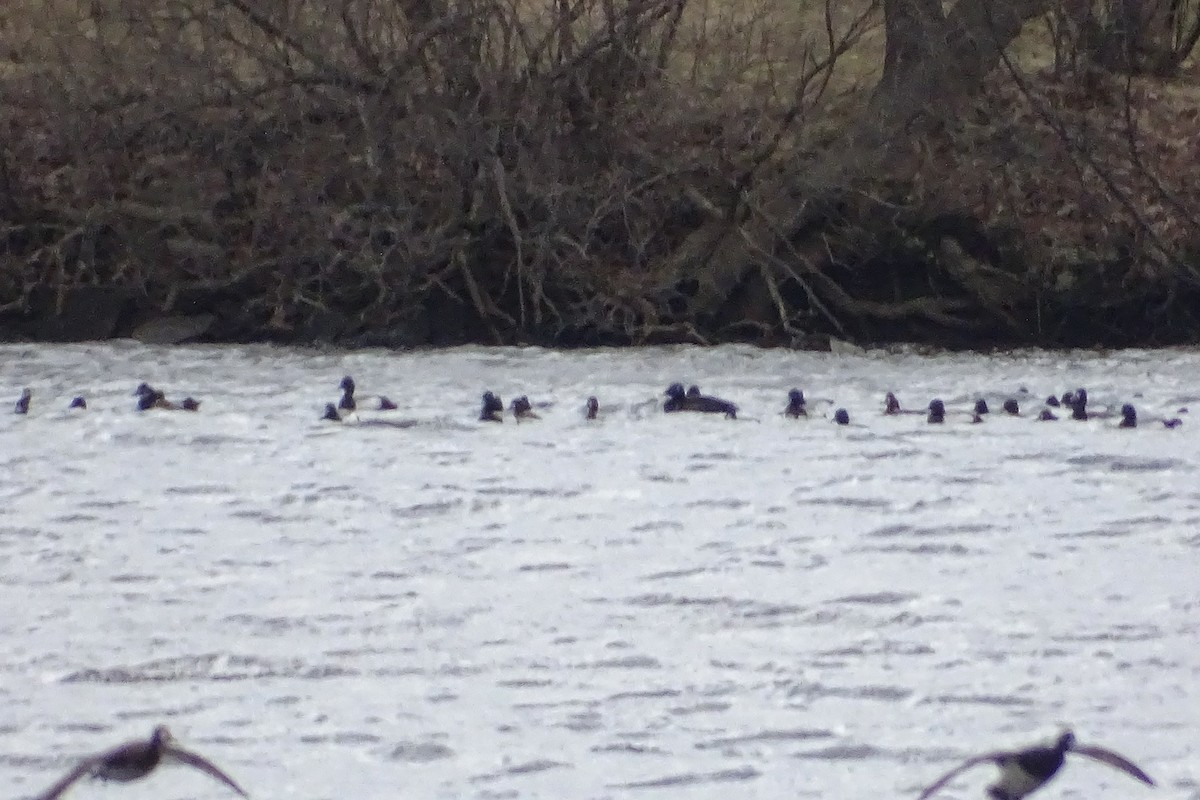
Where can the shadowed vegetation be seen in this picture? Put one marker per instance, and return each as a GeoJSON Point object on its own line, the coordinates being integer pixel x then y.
{"type": "Point", "coordinates": [601, 171]}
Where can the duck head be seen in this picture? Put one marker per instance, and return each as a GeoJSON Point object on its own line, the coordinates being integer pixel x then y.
{"type": "Point", "coordinates": [347, 402]}
{"type": "Point", "coordinates": [841, 416]}
{"type": "Point", "coordinates": [78, 402]}
{"type": "Point", "coordinates": [593, 408]}
{"type": "Point", "coordinates": [937, 412]}
{"type": "Point", "coordinates": [1011, 407]}
{"type": "Point", "coordinates": [981, 407]}
{"type": "Point", "coordinates": [161, 737]}
{"type": "Point", "coordinates": [331, 413]}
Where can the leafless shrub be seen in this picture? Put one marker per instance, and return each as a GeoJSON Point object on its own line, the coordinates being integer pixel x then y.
{"type": "Point", "coordinates": [530, 162]}
{"type": "Point", "coordinates": [1152, 37]}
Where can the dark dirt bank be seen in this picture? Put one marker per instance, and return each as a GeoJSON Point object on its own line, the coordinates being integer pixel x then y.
{"type": "Point", "coordinates": [440, 190]}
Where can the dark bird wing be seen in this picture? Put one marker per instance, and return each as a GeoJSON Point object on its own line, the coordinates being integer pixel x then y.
{"type": "Point", "coordinates": [1116, 760]}
{"type": "Point", "coordinates": [80, 770]}
{"type": "Point", "coordinates": [204, 765]}
{"type": "Point", "coordinates": [961, 768]}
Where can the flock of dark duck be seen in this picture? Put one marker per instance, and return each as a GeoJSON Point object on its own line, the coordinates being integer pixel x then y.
{"type": "Point", "coordinates": [1021, 771]}
{"type": "Point", "coordinates": [1073, 404]}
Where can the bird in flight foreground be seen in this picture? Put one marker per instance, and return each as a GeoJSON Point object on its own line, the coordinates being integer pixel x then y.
{"type": "Point", "coordinates": [1023, 772]}
{"type": "Point", "coordinates": [137, 759]}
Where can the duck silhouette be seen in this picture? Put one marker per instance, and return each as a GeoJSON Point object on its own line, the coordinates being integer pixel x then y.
{"type": "Point", "coordinates": [1078, 403]}
{"type": "Point", "coordinates": [1023, 772]}
{"type": "Point", "coordinates": [523, 409]}
{"type": "Point", "coordinates": [22, 404]}
{"type": "Point", "coordinates": [1128, 416]}
{"type": "Point", "coordinates": [349, 403]}
{"type": "Point", "coordinates": [796, 406]}
{"type": "Point", "coordinates": [679, 400]}
{"type": "Point", "coordinates": [492, 410]}
{"type": "Point", "coordinates": [148, 397]}
{"type": "Point", "coordinates": [891, 405]}
{"type": "Point", "coordinates": [137, 759]}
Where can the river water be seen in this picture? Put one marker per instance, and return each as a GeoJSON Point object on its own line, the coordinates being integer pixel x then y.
{"type": "Point", "coordinates": [646, 606]}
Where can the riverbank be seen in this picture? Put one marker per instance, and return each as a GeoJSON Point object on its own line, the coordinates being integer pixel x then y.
{"type": "Point", "coordinates": [595, 192]}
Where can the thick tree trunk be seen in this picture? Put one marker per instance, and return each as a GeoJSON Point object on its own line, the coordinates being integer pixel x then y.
{"type": "Point", "coordinates": [919, 94]}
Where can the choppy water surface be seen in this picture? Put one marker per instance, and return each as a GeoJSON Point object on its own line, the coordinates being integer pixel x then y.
{"type": "Point", "coordinates": [648, 607]}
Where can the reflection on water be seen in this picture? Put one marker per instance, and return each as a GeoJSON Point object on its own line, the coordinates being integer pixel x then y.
{"type": "Point", "coordinates": [643, 606]}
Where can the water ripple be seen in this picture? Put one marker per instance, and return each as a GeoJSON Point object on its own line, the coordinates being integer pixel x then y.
{"type": "Point", "coordinates": [798, 734]}
{"type": "Point", "coordinates": [420, 752]}
{"type": "Point", "coordinates": [677, 607]}
{"type": "Point", "coordinates": [737, 775]}
{"type": "Point", "coordinates": [210, 667]}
